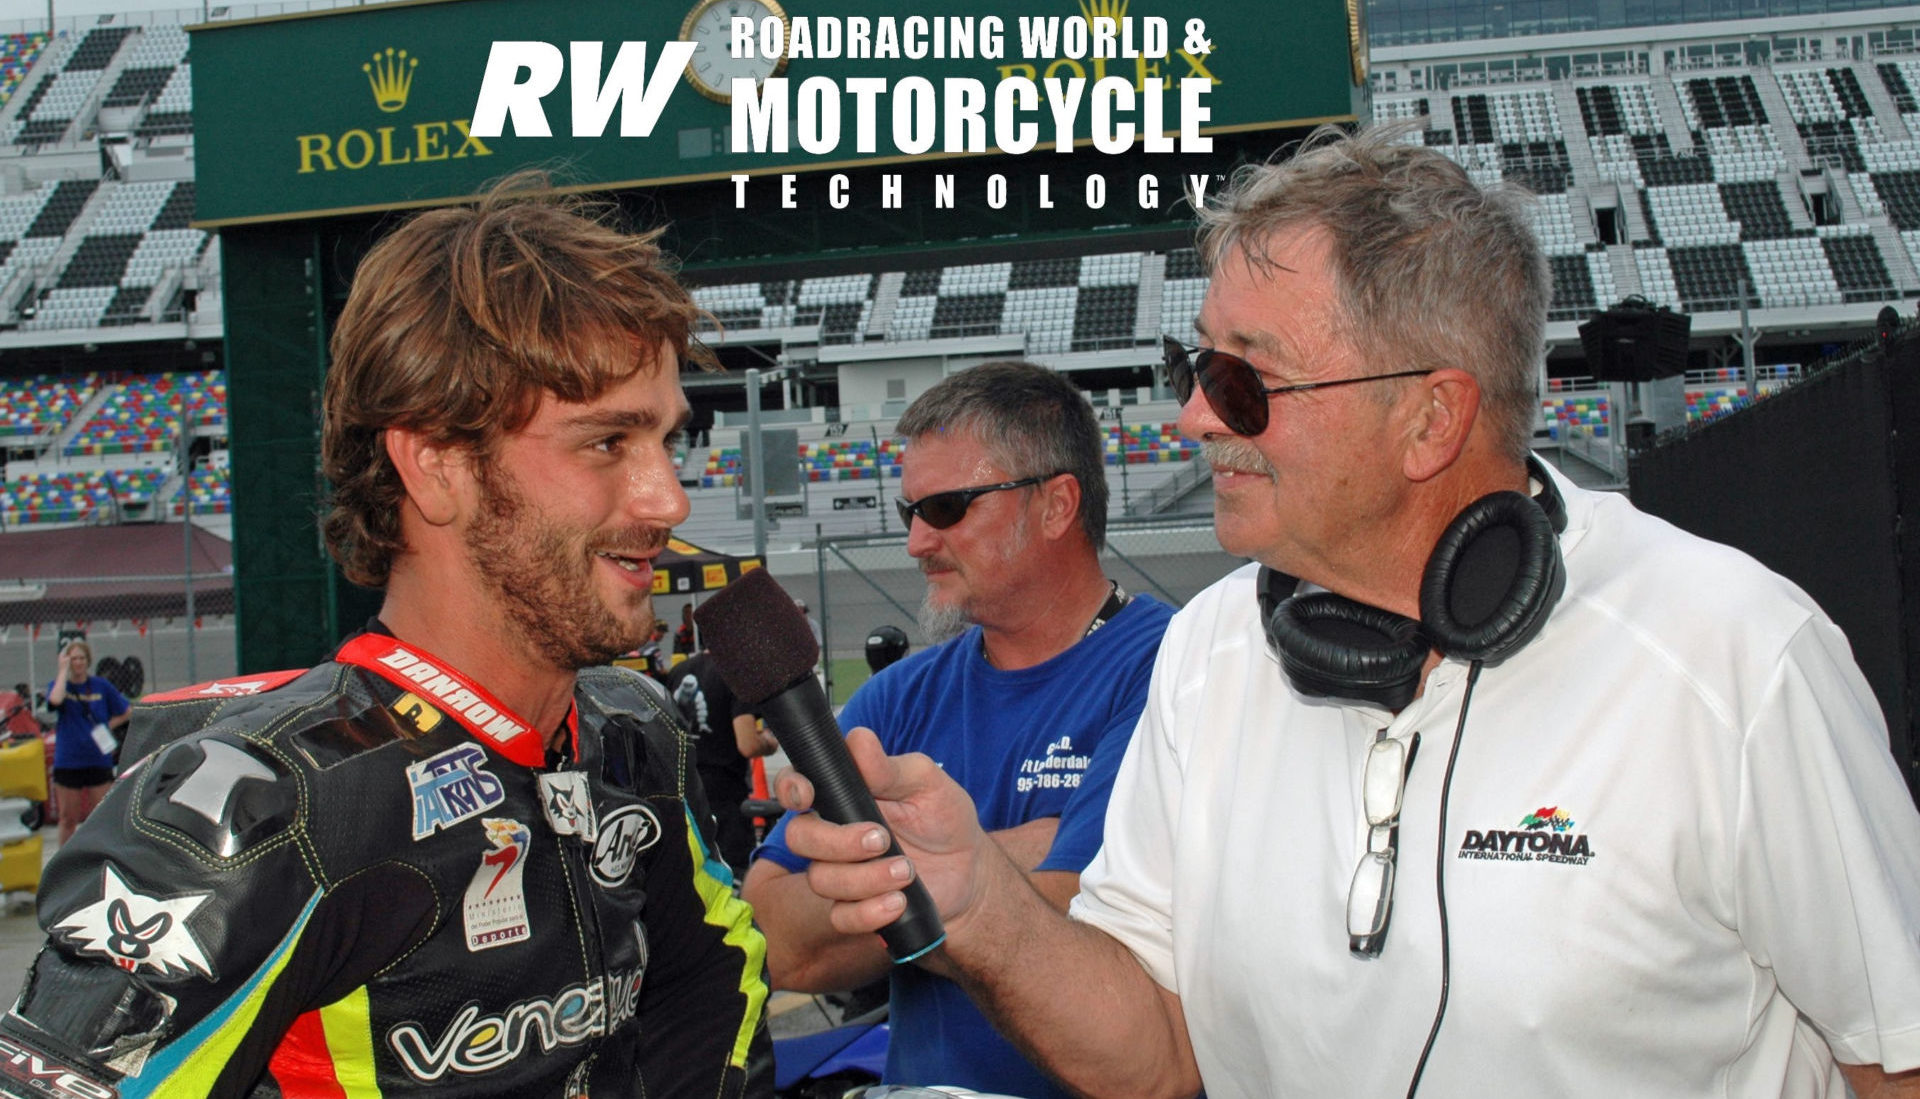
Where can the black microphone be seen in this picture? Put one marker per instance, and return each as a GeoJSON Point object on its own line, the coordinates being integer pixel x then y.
{"type": "Point", "coordinates": [766, 652]}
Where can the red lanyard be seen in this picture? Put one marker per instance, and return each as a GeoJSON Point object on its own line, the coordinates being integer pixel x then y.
{"type": "Point", "coordinates": [486, 717]}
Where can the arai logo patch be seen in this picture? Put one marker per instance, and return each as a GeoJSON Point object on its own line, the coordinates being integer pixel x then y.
{"type": "Point", "coordinates": [623, 835]}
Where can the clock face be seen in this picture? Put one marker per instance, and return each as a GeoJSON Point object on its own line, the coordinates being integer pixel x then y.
{"type": "Point", "coordinates": [709, 26]}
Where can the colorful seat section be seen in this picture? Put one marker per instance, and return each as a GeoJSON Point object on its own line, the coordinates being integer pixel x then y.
{"type": "Point", "coordinates": [1577, 415]}
{"type": "Point", "coordinates": [850, 459]}
{"type": "Point", "coordinates": [722, 469]}
{"type": "Point", "coordinates": [211, 491]}
{"type": "Point", "coordinates": [824, 461]}
{"type": "Point", "coordinates": [55, 497]}
{"type": "Point", "coordinates": [41, 406]}
{"type": "Point", "coordinates": [17, 53]}
{"type": "Point", "coordinates": [1714, 393]}
{"type": "Point", "coordinates": [1711, 404]}
{"type": "Point", "coordinates": [137, 486]}
{"type": "Point", "coordinates": [145, 414]}
{"type": "Point", "coordinates": [1140, 444]}
{"type": "Point", "coordinates": [832, 460]}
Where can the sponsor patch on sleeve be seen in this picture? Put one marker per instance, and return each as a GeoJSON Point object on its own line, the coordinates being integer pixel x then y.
{"type": "Point", "coordinates": [137, 932]}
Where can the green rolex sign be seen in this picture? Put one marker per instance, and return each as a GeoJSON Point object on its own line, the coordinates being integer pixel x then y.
{"type": "Point", "coordinates": [414, 104]}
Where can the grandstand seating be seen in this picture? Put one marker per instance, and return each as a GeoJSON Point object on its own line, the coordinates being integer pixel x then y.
{"type": "Point", "coordinates": [137, 486]}
{"type": "Point", "coordinates": [1858, 269]}
{"type": "Point", "coordinates": [1626, 108]}
{"type": "Point", "coordinates": [722, 469]}
{"type": "Point", "coordinates": [55, 497]}
{"type": "Point", "coordinates": [1064, 304]}
{"type": "Point", "coordinates": [137, 231]}
{"type": "Point", "coordinates": [1582, 284]}
{"type": "Point", "coordinates": [1710, 404]}
{"type": "Point", "coordinates": [172, 111]}
{"type": "Point", "coordinates": [1705, 172]}
{"type": "Point", "coordinates": [39, 407]}
{"type": "Point", "coordinates": [17, 54]}
{"type": "Point", "coordinates": [1710, 204]}
{"type": "Point", "coordinates": [842, 459]}
{"type": "Point", "coordinates": [210, 489]}
{"type": "Point", "coordinates": [72, 69]}
{"type": "Point", "coordinates": [1711, 102]}
{"type": "Point", "coordinates": [144, 414]}
{"type": "Point", "coordinates": [151, 62]}
{"type": "Point", "coordinates": [1140, 444]}
{"type": "Point", "coordinates": [1577, 415]}
{"type": "Point", "coordinates": [1655, 274]}
{"type": "Point", "coordinates": [850, 459]}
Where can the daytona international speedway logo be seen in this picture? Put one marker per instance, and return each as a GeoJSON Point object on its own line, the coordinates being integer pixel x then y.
{"type": "Point", "coordinates": [1544, 835]}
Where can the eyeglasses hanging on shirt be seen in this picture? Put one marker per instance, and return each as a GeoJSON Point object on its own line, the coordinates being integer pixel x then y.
{"type": "Point", "coordinates": [1383, 782]}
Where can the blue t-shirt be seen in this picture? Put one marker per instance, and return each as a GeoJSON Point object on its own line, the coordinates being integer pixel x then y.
{"type": "Point", "coordinates": [88, 704]}
{"type": "Point", "coordinates": [1040, 742]}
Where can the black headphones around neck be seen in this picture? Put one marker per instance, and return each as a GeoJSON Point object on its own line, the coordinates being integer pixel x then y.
{"type": "Point", "coordinates": [1493, 577]}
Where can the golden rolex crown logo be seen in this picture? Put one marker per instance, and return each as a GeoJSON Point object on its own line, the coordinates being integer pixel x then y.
{"type": "Point", "coordinates": [391, 74]}
{"type": "Point", "coordinates": [1115, 10]}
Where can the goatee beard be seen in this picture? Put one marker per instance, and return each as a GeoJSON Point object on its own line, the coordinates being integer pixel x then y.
{"type": "Point", "coordinates": [941, 621]}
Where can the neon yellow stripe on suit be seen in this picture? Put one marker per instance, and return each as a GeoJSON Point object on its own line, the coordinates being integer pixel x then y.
{"type": "Point", "coordinates": [348, 1023]}
{"type": "Point", "coordinates": [190, 1064]}
{"type": "Point", "coordinates": [723, 909]}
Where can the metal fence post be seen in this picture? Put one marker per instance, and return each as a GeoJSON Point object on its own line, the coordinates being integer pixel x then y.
{"type": "Point", "coordinates": [186, 526]}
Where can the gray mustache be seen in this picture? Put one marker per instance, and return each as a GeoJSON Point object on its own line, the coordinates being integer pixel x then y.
{"type": "Point", "coordinates": [1236, 454]}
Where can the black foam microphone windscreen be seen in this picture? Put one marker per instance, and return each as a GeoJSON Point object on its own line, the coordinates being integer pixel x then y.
{"type": "Point", "coordinates": [765, 652]}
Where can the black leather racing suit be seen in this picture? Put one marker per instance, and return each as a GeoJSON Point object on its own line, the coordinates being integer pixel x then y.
{"type": "Point", "coordinates": [334, 888]}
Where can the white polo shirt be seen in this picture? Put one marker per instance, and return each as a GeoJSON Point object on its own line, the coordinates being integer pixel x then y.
{"type": "Point", "coordinates": [1679, 859]}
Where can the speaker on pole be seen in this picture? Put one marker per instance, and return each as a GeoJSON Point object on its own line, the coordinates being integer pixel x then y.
{"type": "Point", "coordinates": [1636, 342]}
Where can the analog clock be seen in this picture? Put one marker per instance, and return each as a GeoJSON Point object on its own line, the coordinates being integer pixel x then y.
{"type": "Point", "coordinates": [709, 26]}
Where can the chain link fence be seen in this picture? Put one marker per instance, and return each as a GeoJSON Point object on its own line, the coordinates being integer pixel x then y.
{"type": "Point", "coordinates": [148, 633]}
{"type": "Point", "coordinates": [864, 581]}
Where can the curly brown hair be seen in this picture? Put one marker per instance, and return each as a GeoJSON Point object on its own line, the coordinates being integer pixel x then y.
{"type": "Point", "coordinates": [462, 319]}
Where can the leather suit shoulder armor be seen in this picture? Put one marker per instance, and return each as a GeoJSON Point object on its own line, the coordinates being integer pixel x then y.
{"type": "Point", "coordinates": [158, 720]}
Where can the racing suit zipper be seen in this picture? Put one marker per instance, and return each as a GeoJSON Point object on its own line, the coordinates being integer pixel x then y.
{"type": "Point", "coordinates": [576, 855]}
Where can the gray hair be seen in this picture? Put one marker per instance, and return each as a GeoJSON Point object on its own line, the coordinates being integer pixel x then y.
{"type": "Point", "coordinates": [1430, 270]}
{"type": "Point", "coordinates": [1031, 420]}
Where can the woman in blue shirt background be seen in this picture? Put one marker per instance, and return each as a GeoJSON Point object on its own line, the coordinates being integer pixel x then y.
{"type": "Point", "coordinates": [89, 709]}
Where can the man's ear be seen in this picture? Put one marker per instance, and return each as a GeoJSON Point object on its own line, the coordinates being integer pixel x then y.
{"type": "Point", "coordinates": [1063, 506]}
{"type": "Point", "coordinates": [436, 475]}
{"type": "Point", "coordinates": [1441, 422]}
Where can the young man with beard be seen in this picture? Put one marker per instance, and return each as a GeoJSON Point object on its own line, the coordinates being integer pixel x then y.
{"type": "Point", "coordinates": [1028, 703]}
{"type": "Point", "coordinates": [1479, 784]}
{"type": "Point", "coordinates": [459, 854]}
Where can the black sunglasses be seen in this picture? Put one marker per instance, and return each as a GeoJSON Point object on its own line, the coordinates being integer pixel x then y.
{"type": "Point", "coordinates": [1233, 386]}
{"type": "Point", "coordinates": [941, 510]}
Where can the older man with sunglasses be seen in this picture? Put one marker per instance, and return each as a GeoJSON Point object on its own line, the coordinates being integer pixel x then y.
{"type": "Point", "coordinates": [1029, 706]}
{"type": "Point", "coordinates": [1479, 784]}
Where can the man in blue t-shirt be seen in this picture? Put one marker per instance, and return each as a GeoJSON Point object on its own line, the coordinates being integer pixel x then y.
{"type": "Point", "coordinates": [1029, 703]}
{"type": "Point", "coordinates": [89, 710]}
